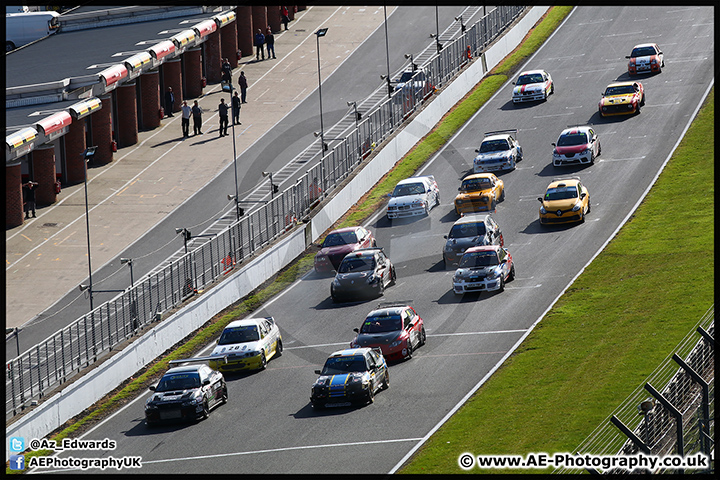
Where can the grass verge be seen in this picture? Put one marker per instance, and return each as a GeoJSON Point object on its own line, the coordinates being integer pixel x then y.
{"type": "Point", "coordinates": [618, 321]}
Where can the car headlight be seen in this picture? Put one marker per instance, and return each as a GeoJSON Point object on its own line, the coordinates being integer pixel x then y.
{"type": "Point", "coordinates": [576, 207]}
{"type": "Point", "coordinates": [542, 210]}
{"type": "Point", "coordinates": [587, 150]}
{"type": "Point", "coordinates": [320, 258]}
{"type": "Point", "coordinates": [336, 282]}
{"type": "Point", "coordinates": [653, 61]}
{"type": "Point", "coordinates": [555, 153]}
{"type": "Point", "coordinates": [448, 249]}
{"type": "Point", "coordinates": [494, 274]}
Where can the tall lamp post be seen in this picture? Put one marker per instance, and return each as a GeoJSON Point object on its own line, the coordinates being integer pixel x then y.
{"type": "Point", "coordinates": [320, 33]}
{"type": "Point", "coordinates": [387, 54]}
{"type": "Point", "coordinates": [237, 195]}
{"type": "Point", "coordinates": [437, 30]}
{"type": "Point", "coordinates": [88, 155]}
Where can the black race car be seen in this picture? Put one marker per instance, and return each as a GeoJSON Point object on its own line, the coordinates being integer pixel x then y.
{"type": "Point", "coordinates": [185, 393]}
{"type": "Point", "coordinates": [362, 272]}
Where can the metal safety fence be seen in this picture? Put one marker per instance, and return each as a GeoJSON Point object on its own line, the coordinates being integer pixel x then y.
{"type": "Point", "coordinates": [672, 413]}
{"type": "Point", "coordinates": [49, 364]}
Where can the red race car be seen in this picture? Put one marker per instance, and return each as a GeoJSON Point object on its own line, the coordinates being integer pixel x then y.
{"type": "Point", "coordinates": [396, 329]}
{"type": "Point", "coordinates": [645, 58]}
{"type": "Point", "coordinates": [339, 243]}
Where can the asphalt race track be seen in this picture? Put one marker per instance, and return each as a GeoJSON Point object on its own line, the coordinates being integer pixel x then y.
{"type": "Point", "coordinates": [268, 425]}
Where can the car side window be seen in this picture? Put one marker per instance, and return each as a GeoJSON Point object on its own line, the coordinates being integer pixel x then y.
{"type": "Point", "coordinates": [370, 361]}
{"type": "Point", "coordinates": [406, 319]}
{"type": "Point", "coordinates": [203, 375]}
{"type": "Point", "coordinates": [263, 330]}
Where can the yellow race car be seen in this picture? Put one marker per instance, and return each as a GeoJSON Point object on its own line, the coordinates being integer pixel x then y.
{"type": "Point", "coordinates": [566, 200]}
{"type": "Point", "coordinates": [479, 193]}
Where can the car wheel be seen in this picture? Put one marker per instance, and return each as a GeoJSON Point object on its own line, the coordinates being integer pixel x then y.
{"type": "Point", "coordinates": [332, 295]}
{"type": "Point", "coordinates": [445, 264]}
{"type": "Point", "coordinates": [386, 380]}
{"type": "Point", "coordinates": [637, 109]}
{"type": "Point", "coordinates": [278, 348]}
{"type": "Point", "coordinates": [206, 409]}
{"type": "Point", "coordinates": [599, 149]}
{"type": "Point", "coordinates": [427, 209]}
{"type": "Point", "coordinates": [423, 337]}
{"type": "Point", "coordinates": [592, 158]}
{"type": "Point", "coordinates": [370, 395]}
{"type": "Point", "coordinates": [502, 284]}
{"type": "Point", "coordinates": [409, 350]}
{"type": "Point", "coordinates": [381, 289]}
{"type": "Point", "coordinates": [511, 276]}
{"type": "Point", "coordinates": [437, 199]}
{"type": "Point", "coordinates": [502, 195]}
{"type": "Point", "coordinates": [552, 88]}
{"type": "Point", "coordinates": [642, 100]}
{"type": "Point", "coordinates": [224, 397]}
{"type": "Point", "coordinates": [393, 277]}
{"type": "Point", "coordinates": [263, 360]}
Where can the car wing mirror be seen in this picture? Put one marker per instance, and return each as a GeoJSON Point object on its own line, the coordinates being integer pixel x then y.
{"type": "Point", "coordinates": [317, 372]}
{"type": "Point", "coordinates": [660, 53]}
{"type": "Point", "coordinates": [477, 150]}
{"type": "Point", "coordinates": [356, 330]}
{"type": "Point", "coordinates": [553, 144]}
{"type": "Point", "coordinates": [582, 195]}
{"type": "Point", "coordinates": [152, 387]}
{"type": "Point", "coordinates": [540, 199]}
{"type": "Point", "coordinates": [628, 56]}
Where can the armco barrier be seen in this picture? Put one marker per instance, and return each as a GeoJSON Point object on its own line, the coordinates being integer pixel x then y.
{"type": "Point", "coordinates": [76, 397]}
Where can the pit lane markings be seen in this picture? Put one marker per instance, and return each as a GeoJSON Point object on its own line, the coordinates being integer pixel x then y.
{"type": "Point", "coordinates": [601, 160]}
{"type": "Point", "coordinates": [285, 449]}
{"type": "Point", "coordinates": [620, 34]}
{"type": "Point", "coordinates": [555, 115]}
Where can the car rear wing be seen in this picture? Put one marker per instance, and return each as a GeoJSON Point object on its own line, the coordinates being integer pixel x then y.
{"type": "Point", "coordinates": [430, 177]}
{"type": "Point", "coordinates": [498, 132]}
{"type": "Point", "coordinates": [397, 303]}
{"type": "Point", "coordinates": [199, 359]}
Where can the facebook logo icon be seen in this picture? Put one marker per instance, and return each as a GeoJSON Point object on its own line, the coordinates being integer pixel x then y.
{"type": "Point", "coordinates": [17, 462]}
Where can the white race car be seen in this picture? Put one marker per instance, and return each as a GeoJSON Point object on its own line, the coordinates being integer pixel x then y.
{"type": "Point", "coordinates": [532, 85]}
{"type": "Point", "coordinates": [247, 345]}
{"type": "Point", "coordinates": [413, 196]}
{"type": "Point", "coordinates": [498, 151]}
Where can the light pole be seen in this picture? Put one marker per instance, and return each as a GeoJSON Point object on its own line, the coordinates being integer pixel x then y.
{"type": "Point", "coordinates": [128, 261]}
{"type": "Point", "coordinates": [387, 54]}
{"type": "Point", "coordinates": [273, 188]}
{"type": "Point", "coordinates": [237, 201]}
{"type": "Point", "coordinates": [437, 31]}
{"type": "Point", "coordinates": [88, 155]}
{"type": "Point", "coordinates": [462, 25]}
{"type": "Point", "coordinates": [320, 33]}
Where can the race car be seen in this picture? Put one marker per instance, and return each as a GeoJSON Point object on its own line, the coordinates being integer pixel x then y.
{"type": "Point", "coordinates": [479, 192]}
{"type": "Point", "coordinates": [645, 58]}
{"type": "Point", "coordinates": [622, 98]}
{"type": "Point", "coordinates": [499, 150]}
{"type": "Point", "coordinates": [576, 145]}
{"type": "Point", "coordinates": [483, 269]}
{"type": "Point", "coordinates": [532, 85]}
{"type": "Point", "coordinates": [362, 272]}
{"type": "Point", "coordinates": [413, 196]}
{"type": "Point", "coordinates": [339, 243]}
{"type": "Point", "coordinates": [566, 200]}
{"type": "Point", "coordinates": [247, 345]}
{"type": "Point", "coordinates": [470, 231]}
{"type": "Point", "coordinates": [350, 376]}
{"type": "Point", "coordinates": [187, 392]}
{"type": "Point", "coordinates": [397, 330]}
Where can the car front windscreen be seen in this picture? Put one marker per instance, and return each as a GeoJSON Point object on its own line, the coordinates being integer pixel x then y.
{"type": "Point", "coordinates": [561, 193]}
{"type": "Point", "coordinates": [408, 189]}
{"type": "Point", "coordinates": [357, 264]}
{"type": "Point", "coordinates": [494, 146]}
{"type": "Point", "coordinates": [243, 334]}
{"type": "Point", "coordinates": [476, 184]}
{"type": "Point", "coordinates": [344, 238]}
{"type": "Point", "coordinates": [643, 52]}
{"type": "Point", "coordinates": [619, 90]}
{"type": "Point", "coordinates": [382, 324]}
{"type": "Point", "coordinates": [572, 139]}
{"type": "Point", "coordinates": [339, 365]}
{"type": "Point", "coordinates": [178, 381]}
{"type": "Point", "coordinates": [464, 230]}
{"type": "Point", "coordinates": [528, 79]}
{"type": "Point", "coordinates": [479, 259]}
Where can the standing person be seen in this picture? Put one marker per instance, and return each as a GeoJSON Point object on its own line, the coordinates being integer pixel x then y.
{"type": "Point", "coordinates": [226, 67]}
{"type": "Point", "coordinates": [223, 112]}
{"type": "Point", "coordinates": [197, 118]}
{"type": "Point", "coordinates": [270, 42]}
{"type": "Point", "coordinates": [259, 42]}
{"type": "Point", "coordinates": [186, 112]}
{"type": "Point", "coordinates": [242, 81]}
{"type": "Point", "coordinates": [236, 108]}
{"type": "Point", "coordinates": [169, 101]}
{"type": "Point", "coordinates": [285, 16]}
{"type": "Point", "coordinates": [29, 197]}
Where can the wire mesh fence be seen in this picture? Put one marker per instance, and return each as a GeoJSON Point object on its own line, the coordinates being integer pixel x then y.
{"type": "Point", "coordinates": [672, 413]}
{"type": "Point", "coordinates": [44, 367]}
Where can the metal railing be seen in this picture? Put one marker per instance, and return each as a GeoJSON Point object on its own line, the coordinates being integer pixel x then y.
{"type": "Point", "coordinates": [34, 373]}
{"type": "Point", "coordinates": [671, 413]}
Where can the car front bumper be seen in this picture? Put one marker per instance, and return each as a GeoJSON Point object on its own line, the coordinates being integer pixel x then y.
{"type": "Point", "coordinates": [234, 365]}
{"type": "Point", "coordinates": [551, 218]}
{"type": "Point", "coordinates": [405, 211]}
{"type": "Point", "coordinates": [172, 412]}
{"type": "Point", "coordinates": [487, 285]}
{"type": "Point", "coordinates": [577, 159]}
{"type": "Point", "coordinates": [528, 97]}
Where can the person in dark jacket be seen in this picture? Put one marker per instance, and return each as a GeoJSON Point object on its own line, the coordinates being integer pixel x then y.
{"type": "Point", "coordinates": [169, 102]}
{"type": "Point", "coordinates": [259, 43]}
{"type": "Point", "coordinates": [242, 81]}
{"type": "Point", "coordinates": [197, 118]}
{"type": "Point", "coordinates": [285, 16]}
{"type": "Point", "coordinates": [270, 42]}
{"type": "Point", "coordinates": [223, 112]}
{"type": "Point", "coordinates": [236, 108]}
{"type": "Point", "coordinates": [29, 198]}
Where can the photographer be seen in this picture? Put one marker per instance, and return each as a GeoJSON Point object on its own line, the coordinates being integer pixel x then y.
{"type": "Point", "coordinates": [29, 198]}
